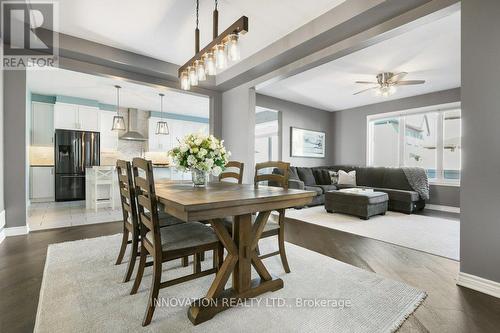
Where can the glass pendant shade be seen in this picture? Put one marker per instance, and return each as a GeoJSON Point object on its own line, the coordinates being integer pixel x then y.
{"type": "Point", "coordinates": [193, 76]}
{"type": "Point", "coordinates": [220, 57]}
{"type": "Point", "coordinates": [118, 124]}
{"type": "Point", "coordinates": [210, 64]}
{"type": "Point", "coordinates": [185, 84]}
{"type": "Point", "coordinates": [200, 70]}
{"type": "Point", "coordinates": [233, 48]}
{"type": "Point", "coordinates": [162, 128]}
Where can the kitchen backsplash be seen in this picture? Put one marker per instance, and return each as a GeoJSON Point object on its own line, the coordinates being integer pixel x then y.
{"type": "Point", "coordinates": [41, 155]}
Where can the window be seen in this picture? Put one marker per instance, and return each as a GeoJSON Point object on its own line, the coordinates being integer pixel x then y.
{"type": "Point", "coordinates": [430, 140]}
{"type": "Point", "coordinates": [266, 135]}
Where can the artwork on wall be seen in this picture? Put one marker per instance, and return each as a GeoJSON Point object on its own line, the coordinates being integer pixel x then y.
{"type": "Point", "coordinates": [307, 143]}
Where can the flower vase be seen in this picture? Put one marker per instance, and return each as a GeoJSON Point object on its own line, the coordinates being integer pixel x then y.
{"type": "Point", "coordinates": [199, 178]}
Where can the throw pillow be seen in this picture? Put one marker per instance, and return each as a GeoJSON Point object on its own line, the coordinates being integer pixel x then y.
{"type": "Point", "coordinates": [347, 178]}
{"type": "Point", "coordinates": [306, 175]}
{"type": "Point", "coordinates": [322, 177]}
{"type": "Point", "coordinates": [334, 177]}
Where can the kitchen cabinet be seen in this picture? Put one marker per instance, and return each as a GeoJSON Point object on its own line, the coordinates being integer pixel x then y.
{"type": "Point", "coordinates": [76, 117]}
{"type": "Point", "coordinates": [109, 138]}
{"type": "Point", "coordinates": [42, 184]}
{"type": "Point", "coordinates": [42, 124]}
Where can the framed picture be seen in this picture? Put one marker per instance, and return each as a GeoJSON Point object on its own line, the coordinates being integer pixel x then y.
{"type": "Point", "coordinates": [307, 143]}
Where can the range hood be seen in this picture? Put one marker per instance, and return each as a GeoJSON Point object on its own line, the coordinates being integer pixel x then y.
{"type": "Point", "coordinates": [132, 134]}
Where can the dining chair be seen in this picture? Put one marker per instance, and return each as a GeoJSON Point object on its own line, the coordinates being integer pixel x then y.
{"type": "Point", "coordinates": [271, 228]}
{"type": "Point", "coordinates": [233, 174]}
{"type": "Point", "coordinates": [166, 244]}
{"type": "Point", "coordinates": [130, 220]}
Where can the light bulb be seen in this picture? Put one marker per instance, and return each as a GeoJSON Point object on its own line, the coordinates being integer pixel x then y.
{"type": "Point", "coordinates": [233, 48]}
{"type": "Point", "coordinates": [220, 57]}
{"type": "Point", "coordinates": [210, 64]}
{"type": "Point", "coordinates": [193, 76]}
{"type": "Point", "coordinates": [200, 70]}
{"type": "Point", "coordinates": [185, 85]}
{"type": "Point", "coordinates": [392, 90]}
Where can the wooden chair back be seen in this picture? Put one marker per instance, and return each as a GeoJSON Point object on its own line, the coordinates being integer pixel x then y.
{"type": "Point", "coordinates": [127, 193]}
{"type": "Point", "coordinates": [281, 179]}
{"type": "Point", "coordinates": [147, 204]}
{"type": "Point", "coordinates": [232, 174]}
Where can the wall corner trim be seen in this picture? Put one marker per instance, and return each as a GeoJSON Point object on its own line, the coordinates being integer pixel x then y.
{"type": "Point", "coordinates": [16, 231]}
{"type": "Point", "coordinates": [2, 226]}
{"type": "Point", "coordinates": [477, 283]}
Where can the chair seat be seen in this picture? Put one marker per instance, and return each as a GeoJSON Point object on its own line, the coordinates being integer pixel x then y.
{"type": "Point", "coordinates": [185, 236]}
{"type": "Point", "coordinates": [270, 229]}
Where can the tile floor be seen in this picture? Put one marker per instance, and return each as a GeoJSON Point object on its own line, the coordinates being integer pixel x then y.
{"type": "Point", "coordinates": [49, 215]}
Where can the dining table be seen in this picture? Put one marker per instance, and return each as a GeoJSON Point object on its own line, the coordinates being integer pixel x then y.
{"type": "Point", "coordinates": [250, 206]}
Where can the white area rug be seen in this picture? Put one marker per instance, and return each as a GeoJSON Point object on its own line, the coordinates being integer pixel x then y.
{"type": "Point", "coordinates": [424, 233]}
{"type": "Point", "coordinates": [81, 292]}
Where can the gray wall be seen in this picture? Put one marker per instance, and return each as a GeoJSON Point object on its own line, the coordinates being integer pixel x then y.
{"type": "Point", "coordinates": [480, 195]}
{"type": "Point", "coordinates": [1, 145]}
{"type": "Point", "coordinates": [15, 147]}
{"type": "Point", "coordinates": [349, 128]}
{"type": "Point", "coordinates": [297, 115]}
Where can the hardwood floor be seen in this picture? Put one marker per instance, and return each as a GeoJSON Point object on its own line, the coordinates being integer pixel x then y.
{"type": "Point", "coordinates": [448, 308]}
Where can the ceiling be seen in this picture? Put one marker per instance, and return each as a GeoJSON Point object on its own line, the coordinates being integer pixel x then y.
{"type": "Point", "coordinates": [75, 84]}
{"type": "Point", "coordinates": [164, 29]}
{"type": "Point", "coordinates": [430, 52]}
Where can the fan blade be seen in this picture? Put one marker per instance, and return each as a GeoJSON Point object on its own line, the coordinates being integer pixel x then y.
{"type": "Point", "coordinates": [397, 77]}
{"type": "Point", "coordinates": [366, 82]}
{"type": "Point", "coordinates": [409, 82]}
{"type": "Point", "coordinates": [362, 91]}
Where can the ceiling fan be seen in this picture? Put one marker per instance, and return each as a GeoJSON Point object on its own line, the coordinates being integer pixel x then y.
{"type": "Point", "coordinates": [387, 82]}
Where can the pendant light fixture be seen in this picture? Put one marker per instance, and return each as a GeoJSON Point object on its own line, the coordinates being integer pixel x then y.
{"type": "Point", "coordinates": [118, 121]}
{"type": "Point", "coordinates": [162, 126]}
{"type": "Point", "coordinates": [215, 56]}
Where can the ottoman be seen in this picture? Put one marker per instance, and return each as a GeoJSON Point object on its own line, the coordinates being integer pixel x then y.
{"type": "Point", "coordinates": [363, 204]}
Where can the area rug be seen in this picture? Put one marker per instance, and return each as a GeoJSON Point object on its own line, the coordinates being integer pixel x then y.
{"type": "Point", "coordinates": [433, 235]}
{"type": "Point", "coordinates": [82, 292]}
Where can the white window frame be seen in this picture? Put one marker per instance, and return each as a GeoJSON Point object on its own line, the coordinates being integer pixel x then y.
{"type": "Point", "coordinates": [440, 109]}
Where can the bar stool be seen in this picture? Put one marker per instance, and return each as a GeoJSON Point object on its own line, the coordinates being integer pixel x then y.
{"type": "Point", "coordinates": [103, 176]}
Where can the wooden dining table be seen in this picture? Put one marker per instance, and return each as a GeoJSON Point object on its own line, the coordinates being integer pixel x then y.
{"type": "Point", "coordinates": [220, 200]}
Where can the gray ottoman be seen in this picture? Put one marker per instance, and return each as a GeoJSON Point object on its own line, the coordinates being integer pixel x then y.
{"type": "Point", "coordinates": [361, 204]}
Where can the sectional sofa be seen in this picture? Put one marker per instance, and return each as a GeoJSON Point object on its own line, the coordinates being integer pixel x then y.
{"type": "Point", "coordinates": [393, 181]}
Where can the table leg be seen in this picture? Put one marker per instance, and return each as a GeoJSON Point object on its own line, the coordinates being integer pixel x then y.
{"type": "Point", "coordinates": [241, 256]}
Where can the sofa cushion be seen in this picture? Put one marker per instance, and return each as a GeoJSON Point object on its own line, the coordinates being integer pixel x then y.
{"type": "Point", "coordinates": [306, 175]}
{"type": "Point", "coordinates": [327, 188]}
{"type": "Point", "coordinates": [292, 173]}
{"type": "Point", "coordinates": [322, 177]}
{"type": "Point", "coordinates": [395, 178]}
{"type": "Point", "coordinates": [370, 176]}
{"type": "Point", "coordinates": [347, 178]}
{"type": "Point", "coordinates": [318, 190]}
{"type": "Point", "coordinates": [400, 195]}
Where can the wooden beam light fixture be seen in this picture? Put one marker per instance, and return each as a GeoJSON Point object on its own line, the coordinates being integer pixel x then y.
{"type": "Point", "coordinates": [215, 56]}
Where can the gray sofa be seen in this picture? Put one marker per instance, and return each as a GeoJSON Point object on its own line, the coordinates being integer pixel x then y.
{"type": "Point", "coordinates": [393, 181]}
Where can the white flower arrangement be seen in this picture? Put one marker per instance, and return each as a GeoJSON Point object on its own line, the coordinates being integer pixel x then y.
{"type": "Point", "coordinates": [201, 152]}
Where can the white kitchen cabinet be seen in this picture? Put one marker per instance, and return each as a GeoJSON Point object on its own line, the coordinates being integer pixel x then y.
{"type": "Point", "coordinates": [88, 118]}
{"type": "Point", "coordinates": [42, 184]}
{"type": "Point", "coordinates": [76, 117]}
{"type": "Point", "coordinates": [109, 138]}
{"type": "Point", "coordinates": [66, 116]}
{"type": "Point", "coordinates": [42, 124]}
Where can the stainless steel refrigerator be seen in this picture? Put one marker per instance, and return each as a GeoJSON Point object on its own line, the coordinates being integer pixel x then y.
{"type": "Point", "coordinates": [74, 151]}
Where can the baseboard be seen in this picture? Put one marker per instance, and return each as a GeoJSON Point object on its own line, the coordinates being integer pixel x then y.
{"type": "Point", "coordinates": [16, 231]}
{"type": "Point", "coordinates": [450, 209]}
{"type": "Point", "coordinates": [479, 284]}
{"type": "Point", "coordinates": [2, 226]}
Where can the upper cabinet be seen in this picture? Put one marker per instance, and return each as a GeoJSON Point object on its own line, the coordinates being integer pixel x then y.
{"type": "Point", "coordinates": [76, 117]}
{"type": "Point", "coordinates": [109, 138]}
{"type": "Point", "coordinates": [42, 124]}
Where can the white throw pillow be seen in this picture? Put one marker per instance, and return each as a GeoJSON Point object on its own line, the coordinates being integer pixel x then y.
{"type": "Point", "coordinates": [334, 177]}
{"type": "Point", "coordinates": [347, 178]}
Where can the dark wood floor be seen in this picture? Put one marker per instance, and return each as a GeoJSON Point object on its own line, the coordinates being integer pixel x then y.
{"type": "Point", "coordinates": [448, 308]}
